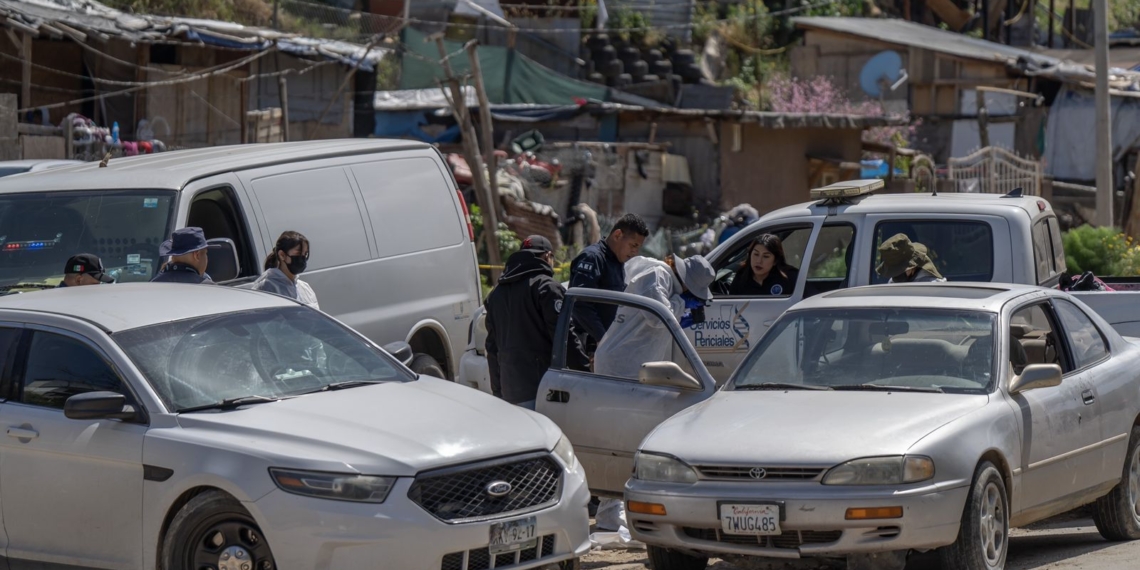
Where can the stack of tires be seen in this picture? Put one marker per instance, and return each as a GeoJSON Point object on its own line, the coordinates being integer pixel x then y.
{"type": "Point", "coordinates": [618, 64]}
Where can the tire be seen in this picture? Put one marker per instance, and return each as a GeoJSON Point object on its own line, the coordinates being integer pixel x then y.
{"type": "Point", "coordinates": [638, 69]}
{"type": "Point", "coordinates": [427, 365]}
{"type": "Point", "coordinates": [191, 541]}
{"type": "Point", "coordinates": [623, 80]}
{"type": "Point", "coordinates": [597, 77]}
{"type": "Point", "coordinates": [613, 69]}
{"type": "Point", "coordinates": [574, 564]}
{"type": "Point", "coordinates": [661, 67]}
{"type": "Point", "coordinates": [1117, 514]}
{"type": "Point", "coordinates": [665, 559]}
{"type": "Point", "coordinates": [983, 537]}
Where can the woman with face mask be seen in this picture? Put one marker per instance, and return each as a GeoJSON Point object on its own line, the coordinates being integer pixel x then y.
{"type": "Point", "coordinates": [288, 259]}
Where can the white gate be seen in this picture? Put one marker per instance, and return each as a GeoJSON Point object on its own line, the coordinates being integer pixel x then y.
{"type": "Point", "coordinates": [995, 170]}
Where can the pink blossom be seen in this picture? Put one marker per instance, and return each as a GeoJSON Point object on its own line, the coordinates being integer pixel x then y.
{"type": "Point", "coordinates": [820, 95]}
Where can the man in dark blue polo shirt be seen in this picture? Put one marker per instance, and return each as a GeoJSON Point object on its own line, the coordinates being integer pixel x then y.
{"type": "Point", "coordinates": [187, 250]}
{"type": "Point", "coordinates": [602, 266]}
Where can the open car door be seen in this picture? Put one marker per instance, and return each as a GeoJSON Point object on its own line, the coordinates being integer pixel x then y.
{"type": "Point", "coordinates": [607, 417]}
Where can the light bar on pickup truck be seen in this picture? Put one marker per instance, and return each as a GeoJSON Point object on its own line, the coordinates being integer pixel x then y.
{"type": "Point", "coordinates": [848, 189]}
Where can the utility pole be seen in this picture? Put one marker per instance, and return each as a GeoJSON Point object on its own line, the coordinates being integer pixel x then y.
{"type": "Point", "coordinates": [490, 205]}
{"type": "Point", "coordinates": [1104, 188]}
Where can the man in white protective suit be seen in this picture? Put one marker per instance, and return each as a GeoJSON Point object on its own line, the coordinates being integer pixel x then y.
{"type": "Point", "coordinates": [638, 336]}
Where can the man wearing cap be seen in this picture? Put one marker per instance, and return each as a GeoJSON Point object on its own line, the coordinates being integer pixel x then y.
{"type": "Point", "coordinates": [187, 250]}
{"type": "Point", "coordinates": [522, 313]}
{"type": "Point", "coordinates": [84, 269]}
{"type": "Point", "coordinates": [902, 261]}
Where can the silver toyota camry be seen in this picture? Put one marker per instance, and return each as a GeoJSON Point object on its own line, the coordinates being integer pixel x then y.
{"type": "Point", "coordinates": [874, 422]}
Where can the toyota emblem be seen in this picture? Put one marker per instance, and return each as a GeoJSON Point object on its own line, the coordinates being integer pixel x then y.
{"type": "Point", "coordinates": [498, 489]}
{"type": "Point", "coordinates": [757, 473]}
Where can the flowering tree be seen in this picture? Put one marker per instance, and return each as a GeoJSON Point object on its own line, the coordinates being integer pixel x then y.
{"type": "Point", "coordinates": [820, 95]}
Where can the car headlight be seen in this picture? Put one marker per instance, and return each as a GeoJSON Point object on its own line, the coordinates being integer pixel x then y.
{"type": "Point", "coordinates": [565, 452]}
{"type": "Point", "coordinates": [894, 470]}
{"type": "Point", "coordinates": [336, 486]}
{"type": "Point", "coordinates": [653, 467]}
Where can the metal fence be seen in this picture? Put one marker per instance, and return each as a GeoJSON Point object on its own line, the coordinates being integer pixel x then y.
{"type": "Point", "coordinates": [995, 170]}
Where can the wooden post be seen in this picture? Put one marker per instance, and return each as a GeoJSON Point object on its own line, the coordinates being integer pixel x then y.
{"type": "Point", "coordinates": [283, 95]}
{"type": "Point", "coordinates": [26, 80]}
{"type": "Point", "coordinates": [1052, 20]}
{"type": "Point", "coordinates": [485, 120]}
{"type": "Point", "coordinates": [490, 206]}
{"type": "Point", "coordinates": [983, 118]}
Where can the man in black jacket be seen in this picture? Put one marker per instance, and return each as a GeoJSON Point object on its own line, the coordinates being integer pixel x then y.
{"type": "Point", "coordinates": [602, 266]}
{"type": "Point", "coordinates": [522, 313]}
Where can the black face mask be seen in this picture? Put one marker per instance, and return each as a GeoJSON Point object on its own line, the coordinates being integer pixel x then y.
{"type": "Point", "coordinates": [297, 264]}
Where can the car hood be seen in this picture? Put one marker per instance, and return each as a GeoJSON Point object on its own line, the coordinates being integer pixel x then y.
{"type": "Point", "coordinates": [396, 428]}
{"type": "Point", "coordinates": [805, 427]}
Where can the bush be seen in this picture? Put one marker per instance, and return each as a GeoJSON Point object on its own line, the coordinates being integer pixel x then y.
{"type": "Point", "coordinates": [1104, 251]}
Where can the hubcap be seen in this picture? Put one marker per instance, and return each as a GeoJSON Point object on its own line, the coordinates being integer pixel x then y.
{"type": "Point", "coordinates": [232, 545]}
{"type": "Point", "coordinates": [1134, 486]}
{"type": "Point", "coordinates": [993, 525]}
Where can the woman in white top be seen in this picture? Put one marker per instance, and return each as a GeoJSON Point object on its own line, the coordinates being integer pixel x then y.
{"type": "Point", "coordinates": [288, 259]}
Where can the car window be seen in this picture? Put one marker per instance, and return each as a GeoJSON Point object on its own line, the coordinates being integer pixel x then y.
{"type": "Point", "coordinates": [794, 241]}
{"type": "Point", "coordinates": [1058, 246]}
{"type": "Point", "coordinates": [961, 250]}
{"type": "Point", "coordinates": [830, 259]}
{"type": "Point", "coordinates": [9, 343]}
{"type": "Point", "coordinates": [637, 337]}
{"type": "Point", "coordinates": [921, 349]}
{"type": "Point", "coordinates": [1033, 339]}
{"type": "Point", "coordinates": [58, 367]}
{"type": "Point", "coordinates": [1085, 340]}
{"type": "Point", "coordinates": [272, 353]}
{"type": "Point", "coordinates": [1043, 252]}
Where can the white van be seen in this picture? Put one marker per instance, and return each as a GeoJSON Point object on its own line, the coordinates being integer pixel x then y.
{"type": "Point", "coordinates": [392, 249]}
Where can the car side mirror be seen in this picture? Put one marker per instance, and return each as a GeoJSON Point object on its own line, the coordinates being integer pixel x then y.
{"type": "Point", "coordinates": [1036, 376]}
{"type": "Point", "coordinates": [223, 264]}
{"type": "Point", "coordinates": [401, 351]}
{"type": "Point", "coordinates": [668, 374]}
{"type": "Point", "coordinates": [98, 406]}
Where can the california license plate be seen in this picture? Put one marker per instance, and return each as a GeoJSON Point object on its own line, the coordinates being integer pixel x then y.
{"type": "Point", "coordinates": [755, 520]}
{"type": "Point", "coordinates": [514, 535]}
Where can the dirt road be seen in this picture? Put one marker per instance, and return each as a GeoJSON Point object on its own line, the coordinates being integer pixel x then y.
{"type": "Point", "coordinates": [1054, 545]}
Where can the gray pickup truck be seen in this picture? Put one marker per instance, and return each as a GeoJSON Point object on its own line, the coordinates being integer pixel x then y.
{"type": "Point", "coordinates": [833, 242]}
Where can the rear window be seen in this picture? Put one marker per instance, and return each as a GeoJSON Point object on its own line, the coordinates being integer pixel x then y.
{"type": "Point", "coordinates": [962, 250]}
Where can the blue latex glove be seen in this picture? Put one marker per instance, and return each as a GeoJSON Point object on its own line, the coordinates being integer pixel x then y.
{"type": "Point", "coordinates": [686, 321]}
{"type": "Point", "coordinates": [691, 301]}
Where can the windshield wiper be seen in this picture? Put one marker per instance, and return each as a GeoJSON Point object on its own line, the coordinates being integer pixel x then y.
{"type": "Point", "coordinates": [230, 404]}
{"type": "Point", "coordinates": [5, 289]}
{"type": "Point", "coordinates": [342, 385]}
{"type": "Point", "coordinates": [780, 386]}
{"type": "Point", "coordinates": [884, 388]}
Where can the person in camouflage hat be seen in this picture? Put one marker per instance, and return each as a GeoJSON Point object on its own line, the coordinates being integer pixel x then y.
{"type": "Point", "coordinates": [903, 261]}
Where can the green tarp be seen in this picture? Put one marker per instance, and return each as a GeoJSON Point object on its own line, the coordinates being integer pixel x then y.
{"type": "Point", "coordinates": [529, 81]}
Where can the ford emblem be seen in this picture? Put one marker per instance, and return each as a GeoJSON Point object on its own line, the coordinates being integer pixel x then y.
{"type": "Point", "coordinates": [757, 473]}
{"type": "Point", "coordinates": [498, 489]}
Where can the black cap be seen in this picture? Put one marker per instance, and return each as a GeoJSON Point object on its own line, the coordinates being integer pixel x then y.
{"type": "Point", "coordinates": [183, 241]}
{"type": "Point", "coordinates": [89, 264]}
{"type": "Point", "coordinates": [537, 244]}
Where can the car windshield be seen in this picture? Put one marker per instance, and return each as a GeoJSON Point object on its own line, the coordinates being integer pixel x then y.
{"type": "Point", "coordinates": [902, 349]}
{"type": "Point", "coordinates": [10, 170]}
{"type": "Point", "coordinates": [40, 231]}
{"type": "Point", "coordinates": [268, 353]}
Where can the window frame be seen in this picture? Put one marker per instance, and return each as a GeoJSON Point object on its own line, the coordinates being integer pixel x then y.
{"type": "Point", "coordinates": [15, 388]}
{"type": "Point", "coordinates": [1068, 364]}
{"type": "Point", "coordinates": [873, 279]}
{"type": "Point", "coordinates": [1054, 303]}
{"type": "Point", "coordinates": [249, 252]}
{"type": "Point", "coordinates": [812, 228]}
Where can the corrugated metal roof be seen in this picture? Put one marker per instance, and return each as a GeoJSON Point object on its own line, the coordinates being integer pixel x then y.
{"type": "Point", "coordinates": [62, 18]}
{"type": "Point", "coordinates": [910, 34]}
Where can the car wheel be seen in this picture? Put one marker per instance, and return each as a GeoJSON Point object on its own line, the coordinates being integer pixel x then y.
{"type": "Point", "coordinates": [983, 537]}
{"type": "Point", "coordinates": [665, 559]}
{"type": "Point", "coordinates": [426, 365]}
{"type": "Point", "coordinates": [214, 531]}
{"type": "Point", "coordinates": [1117, 514]}
{"type": "Point", "coordinates": [574, 564]}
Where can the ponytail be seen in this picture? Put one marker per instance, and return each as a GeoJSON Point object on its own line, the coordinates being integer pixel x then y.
{"type": "Point", "coordinates": [287, 241]}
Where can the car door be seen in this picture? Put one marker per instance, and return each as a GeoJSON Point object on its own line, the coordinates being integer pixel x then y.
{"type": "Point", "coordinates": [80, 497]}
{"type": "Point", "coordinates": [733, 323]}
{"type": "Point", "coordinates": [1059, 426]}
{"type": "Point", "coordinates": [1110, 388]}
{"type": "Point", "coordinates": [606, 417]}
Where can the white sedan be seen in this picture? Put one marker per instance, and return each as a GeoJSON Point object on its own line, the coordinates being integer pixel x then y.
{"type": "Point", "coordinates": [195, 427]}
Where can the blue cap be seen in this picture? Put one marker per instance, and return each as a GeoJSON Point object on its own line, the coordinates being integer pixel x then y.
{"type": "Point", "coordinates": [183, 241]}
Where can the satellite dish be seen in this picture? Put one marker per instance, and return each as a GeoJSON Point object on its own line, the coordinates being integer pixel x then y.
{"type": "Point", "coordinates": [885, 66]}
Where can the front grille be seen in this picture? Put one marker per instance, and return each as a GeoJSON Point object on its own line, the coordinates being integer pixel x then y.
{"type": "Point", "coordinates": [749, 473]}
{"type": "Point", "coordinates": [481, 559]}
{"type": "Point", "coordinates": [457, 494]}
{"type": "Point", "coordinates": [789, 539]}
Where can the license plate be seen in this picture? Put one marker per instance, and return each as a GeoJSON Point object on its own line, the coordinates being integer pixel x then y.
{"type": "Point", "coordinates": [514, 535]}
{"type": "Point", "coordinates": [754, 520]}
